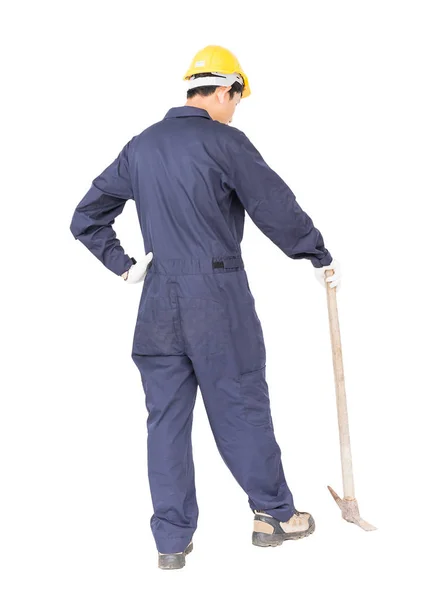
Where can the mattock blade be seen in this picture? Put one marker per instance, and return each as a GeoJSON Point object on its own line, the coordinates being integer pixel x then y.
{"type": "Point", "coordinates": [366, 526]}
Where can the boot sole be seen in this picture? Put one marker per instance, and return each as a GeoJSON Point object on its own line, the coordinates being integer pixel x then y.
{"type": "Point", "coordinates": [174, 561]}
{"type": "Point", "coordinates": [276, 539]}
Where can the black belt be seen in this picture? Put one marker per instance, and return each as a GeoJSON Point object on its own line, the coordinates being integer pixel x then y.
{"type": "Point", "coordinates": [191, 266]}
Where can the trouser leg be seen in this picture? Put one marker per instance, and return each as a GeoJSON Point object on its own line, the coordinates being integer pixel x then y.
{"type": "Point", "coordinates": [170, 388]}
{"type": "Point", "coordinates": [238, 409]}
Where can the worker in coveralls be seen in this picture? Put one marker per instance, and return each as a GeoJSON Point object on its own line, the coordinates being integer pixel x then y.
{"type": "Point", "coordinates": [192, 178]}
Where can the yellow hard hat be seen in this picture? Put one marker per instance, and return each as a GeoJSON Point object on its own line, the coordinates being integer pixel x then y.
{"type": "Point", "coordinates": [216, 59]}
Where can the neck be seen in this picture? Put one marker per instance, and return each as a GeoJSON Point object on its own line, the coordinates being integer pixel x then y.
{"type": "Point", "coordinates": [207, 103]}
{"type": "Point", "coordinates": [198, 102]}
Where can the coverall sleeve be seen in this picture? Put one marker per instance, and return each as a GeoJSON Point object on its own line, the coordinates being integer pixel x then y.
{"type": "Point", "coordinates": [272, 206]}
{"type": "Point", "coordinates": [95, 214]}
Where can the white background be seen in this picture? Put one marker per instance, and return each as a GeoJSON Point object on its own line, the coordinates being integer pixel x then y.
{"type": "Point", "coordinates": [343, 108]}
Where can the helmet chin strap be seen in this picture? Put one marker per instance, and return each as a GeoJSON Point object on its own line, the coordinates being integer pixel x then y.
{"type": "Point", "coordinates": [219, 79]}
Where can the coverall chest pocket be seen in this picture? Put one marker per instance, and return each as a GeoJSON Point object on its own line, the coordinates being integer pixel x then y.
{"type": "Point", "coordinates": [253, 390]}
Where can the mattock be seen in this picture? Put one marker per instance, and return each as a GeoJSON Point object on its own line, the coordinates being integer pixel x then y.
{"type": "Point", "coordinates": [348, 505]}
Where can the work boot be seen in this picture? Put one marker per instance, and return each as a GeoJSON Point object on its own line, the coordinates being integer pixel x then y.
{"type": "Point", "coordinates": [175, 560]}
{"type": "Point", "coordinates": [268, 531]}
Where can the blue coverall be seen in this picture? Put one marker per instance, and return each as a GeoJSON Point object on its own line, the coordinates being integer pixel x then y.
{"type": "Point", "coordinates": [192, 179]}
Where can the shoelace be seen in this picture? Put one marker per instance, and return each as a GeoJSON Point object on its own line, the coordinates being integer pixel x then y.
{"type": "Point", "coordinates": [297, 517]}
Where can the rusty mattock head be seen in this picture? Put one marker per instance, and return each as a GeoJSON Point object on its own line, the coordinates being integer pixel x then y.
{"type": "Point", "coordinates": [350, 511]}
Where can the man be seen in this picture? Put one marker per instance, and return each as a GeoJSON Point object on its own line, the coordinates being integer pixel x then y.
{"type": "Point", "coordinates": [192, 178]}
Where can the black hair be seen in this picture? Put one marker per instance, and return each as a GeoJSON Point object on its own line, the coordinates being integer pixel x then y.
{"type": "Point", "coordinates": [208, 90]}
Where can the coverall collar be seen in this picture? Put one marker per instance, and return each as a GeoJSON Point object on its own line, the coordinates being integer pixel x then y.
{"type": "Point", "coordinates": [187, 111]}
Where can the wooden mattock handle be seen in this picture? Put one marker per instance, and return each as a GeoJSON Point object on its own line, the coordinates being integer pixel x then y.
{"type": "Point", "coordinates": [341, 399]}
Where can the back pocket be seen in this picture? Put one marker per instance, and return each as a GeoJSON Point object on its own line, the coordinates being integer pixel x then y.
{"type": "Point", "coordinates": [254, 393]}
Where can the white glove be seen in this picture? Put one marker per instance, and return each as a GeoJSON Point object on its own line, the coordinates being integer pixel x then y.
{"type": "Point", "coordinates": [137, 272]}
{"type": "Point", "coordinates": [334, 280]}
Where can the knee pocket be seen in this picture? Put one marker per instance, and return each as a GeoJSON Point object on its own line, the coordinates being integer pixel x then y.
{"type": "Point", "coordinates": [253, 389]}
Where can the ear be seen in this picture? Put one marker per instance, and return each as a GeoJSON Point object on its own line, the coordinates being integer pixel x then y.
{"type": "Point", "coordinates": [221, 93]}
